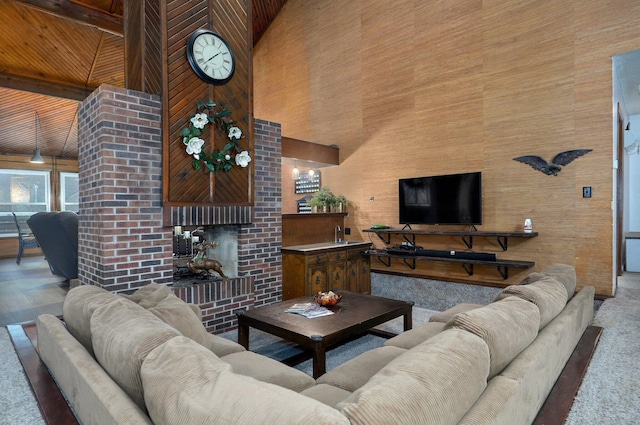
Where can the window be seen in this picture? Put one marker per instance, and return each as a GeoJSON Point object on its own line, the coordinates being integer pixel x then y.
{"type": "Point", "coordinates": [24, 193]}
{"type": "Point", "coordinates": [69, 199]}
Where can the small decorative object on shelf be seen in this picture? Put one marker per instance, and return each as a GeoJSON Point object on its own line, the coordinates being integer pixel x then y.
{"type": "Point", "coordinates": [231, 153]}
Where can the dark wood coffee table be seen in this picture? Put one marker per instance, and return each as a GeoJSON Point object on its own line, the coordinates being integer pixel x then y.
{"type": "Point", "coordinates": [355, 315]}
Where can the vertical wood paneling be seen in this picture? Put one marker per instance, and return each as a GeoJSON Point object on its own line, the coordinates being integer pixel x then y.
{"type": "Point", "coordinates": [420, 88]}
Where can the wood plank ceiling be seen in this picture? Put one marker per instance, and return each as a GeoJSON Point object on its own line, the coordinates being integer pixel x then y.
{"type": "Point", "coordinates": [53, 53]}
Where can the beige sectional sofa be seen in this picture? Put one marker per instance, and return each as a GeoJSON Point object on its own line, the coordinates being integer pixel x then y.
{"type": "Point", "coordinates": [146, 358]}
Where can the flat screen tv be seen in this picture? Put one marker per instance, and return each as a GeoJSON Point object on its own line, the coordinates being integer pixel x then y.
{"type": "Point", "coordinates": [449, 199]}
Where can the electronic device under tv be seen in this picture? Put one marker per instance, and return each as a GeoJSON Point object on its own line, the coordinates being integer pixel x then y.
{"type": "Point", "coordinates": [448, 199]}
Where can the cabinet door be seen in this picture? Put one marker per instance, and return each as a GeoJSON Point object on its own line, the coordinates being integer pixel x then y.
{"type": "Point", "coordinates": [316, 280]}
{"type": "Point", "coordinates": [337, 275]}
{"type": "Point", "coordinates": [353, 269]}
{"type": "Point", "coordinates": [364, 276]}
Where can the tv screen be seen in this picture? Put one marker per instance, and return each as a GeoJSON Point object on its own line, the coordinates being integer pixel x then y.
{"type": "Point", "coordinates": [449, 199]}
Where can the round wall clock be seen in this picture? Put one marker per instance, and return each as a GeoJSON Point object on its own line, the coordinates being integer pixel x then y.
{"type": "Point", "coordinates": [210, 57]}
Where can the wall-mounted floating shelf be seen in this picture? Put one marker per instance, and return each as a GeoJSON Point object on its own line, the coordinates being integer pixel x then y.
{"type": "Point", "coordinates": [467, 236]}
{"type": "Point", "coordinates": [503, 266]}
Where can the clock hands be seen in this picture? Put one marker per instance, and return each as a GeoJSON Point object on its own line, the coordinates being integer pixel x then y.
{"type": "Point", "coordinates": [212, 57]}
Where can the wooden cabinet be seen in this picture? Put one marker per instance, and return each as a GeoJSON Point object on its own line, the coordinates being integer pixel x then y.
{"type": "Point", "coordinates": [313, 268]}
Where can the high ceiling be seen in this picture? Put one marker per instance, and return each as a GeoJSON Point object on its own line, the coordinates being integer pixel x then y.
{"type": "Point", "coordinates": [53, 53]}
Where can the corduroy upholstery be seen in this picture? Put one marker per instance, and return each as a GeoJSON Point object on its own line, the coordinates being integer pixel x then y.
{"type": "Point", "coordinates": [268, 370]}
{"type": "Point", "coordinates": [415, 336]}
{"type": "Point", "coordinates": [563, 273]}
{"type": "Point", "coordinates": [436, 382]}
{"type": "Point", "coordinates": [445, 316]}
{"type": "Point", "coordinates": [547, 293]}
{"type": "Point", "coordinates": [507, 327]}
{"type": "Point", "coordinates": [185, 384]}
{"type": "Point", "coordinates": [439, 380]}
{"type": "Point", "coordinates": [356, 372]}
{"type": "Point", "coordinates": [123, 334]}
{"type": "Point", "coordinates": [78, 307]}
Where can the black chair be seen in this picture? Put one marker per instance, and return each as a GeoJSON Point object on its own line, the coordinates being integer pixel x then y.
{"type": "Point", "coordinates": [57, 233]}
{"type": "Point", "coordinates": [25, 239]}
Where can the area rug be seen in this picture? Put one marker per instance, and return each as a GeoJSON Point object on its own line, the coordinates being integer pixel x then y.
{"type": "Point", "coordinates": [17, 404]}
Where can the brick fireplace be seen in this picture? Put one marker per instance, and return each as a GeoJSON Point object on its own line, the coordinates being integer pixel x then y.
{"type": "Point", "coordinates": [125, 233]}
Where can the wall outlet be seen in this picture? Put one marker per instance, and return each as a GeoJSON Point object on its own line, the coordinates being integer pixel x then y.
{"type": "Point", "coordinates": [586, 192]}
{"type": "Point", "coordinates": [347, 230]}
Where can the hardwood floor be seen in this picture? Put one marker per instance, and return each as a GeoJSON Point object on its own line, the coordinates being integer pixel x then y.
{"type": "Point", "coordinates": [29, 289]}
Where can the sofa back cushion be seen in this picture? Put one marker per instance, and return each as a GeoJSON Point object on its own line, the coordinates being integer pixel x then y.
{"type": "Point", "coordinates": [435, 382]}
{"type": "Point", "coordinates": [79, 305]}
{"type": "Point", "coordinates": [507, 327]}
{"type": "Point", "coordinates": [149, 295]}
{"type": "Point", "coordinates": [547, 293]}
{"type": "Point", "coordinates": [563, 273]}
{"type": "Point", "coordinates": [123, 334]}
{"type": "Point", "coordinates": [163, 303]}
{"type": "Point", "coordinates": [184, 383]}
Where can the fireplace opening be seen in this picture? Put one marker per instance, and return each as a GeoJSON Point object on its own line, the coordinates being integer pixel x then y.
{"type": "Point", "coordinates": [204, 253]}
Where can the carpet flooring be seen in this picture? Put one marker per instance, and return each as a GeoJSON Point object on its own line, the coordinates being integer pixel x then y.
{"type": "Point", "coordinates": [609, 392]}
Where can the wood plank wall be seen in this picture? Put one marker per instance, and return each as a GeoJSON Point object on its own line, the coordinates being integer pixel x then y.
{"type": "Point", "coordinates": [182, 90]}
{"type": "Point", "coordinates": [410, 88]}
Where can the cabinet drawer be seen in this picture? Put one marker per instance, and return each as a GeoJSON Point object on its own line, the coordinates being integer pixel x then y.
{"type": "Point", "coordinates": [316, 259]}
{"type": "Point", "coordinates": [355, 254]}
{"type": "Point", "coordinates": [337, 256]}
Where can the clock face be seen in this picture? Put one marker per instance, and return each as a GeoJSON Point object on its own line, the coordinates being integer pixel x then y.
{"type": "Point", "coordinates": [210, 57]}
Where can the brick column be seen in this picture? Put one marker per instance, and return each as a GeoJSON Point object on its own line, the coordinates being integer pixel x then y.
{"type": "Point", "coordinates": [122, 243]}
{"type": "Point", "coordinates": [259, 243]}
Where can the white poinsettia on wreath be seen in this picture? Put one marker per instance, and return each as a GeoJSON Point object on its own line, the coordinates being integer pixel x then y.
{"type": "Point", "coordinates": [231, 153]}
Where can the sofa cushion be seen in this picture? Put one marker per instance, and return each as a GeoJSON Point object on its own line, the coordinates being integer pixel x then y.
{"type": "Point", "coordinates": [187, 384]}
{"type": "Point", "coordinates": [79, 305]}
{"type": "Point", "coordinates": [564, 274]}
{"type": "Point", "coordinates": [531, 277]}
{"type": "Point", "coordinates": [507, 327]}
{"type": "Point", "coordinates": [149, 295]}
{"type": "Point", "coordinates": [175, 312]}
{"type": "Point", "coordinates": [123, 334]}
{"type": "Point", "coordinates": [266, 369]}
{"type": "Point", "coordinates": [547, 293]}
{"type": "Point", "coordinates": [436, 382]}
{"type": "Point", "coordinates": [445, 316]}
{"type": "Point", "coordinates": [327, 394]}
{"type": "Point", "coordinates": [415, 336]}
{"type": "Point", "coordinates": [356, 372]}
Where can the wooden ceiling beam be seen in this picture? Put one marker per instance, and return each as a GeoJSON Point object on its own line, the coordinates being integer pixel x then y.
{"type": "Point", "coordinates": [48, 88]}
{"type": "Point", "coordinates": [104, 21]}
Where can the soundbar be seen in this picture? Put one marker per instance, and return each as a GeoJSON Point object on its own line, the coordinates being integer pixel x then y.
{"type": "Point", "coordinates": [440, 253]}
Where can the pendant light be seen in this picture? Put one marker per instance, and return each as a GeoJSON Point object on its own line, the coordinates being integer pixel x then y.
{"type": "Point", "coordinates": [37, 158]}
{"type": "Point", "coordinates": [295, 174]}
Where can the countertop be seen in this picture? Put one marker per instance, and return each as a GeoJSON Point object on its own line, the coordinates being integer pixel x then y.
{"type": "Point", "coordinates": [324, 246]}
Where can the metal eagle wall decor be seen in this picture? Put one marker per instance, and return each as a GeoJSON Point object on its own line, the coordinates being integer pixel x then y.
{"type": "Point", "coordinates": [553, 168]}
